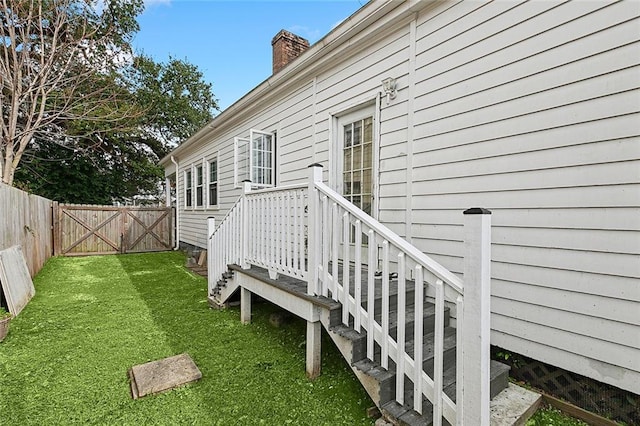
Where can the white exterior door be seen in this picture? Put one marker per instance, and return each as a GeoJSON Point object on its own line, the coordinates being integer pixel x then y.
{"type": "Point", "coordinates": [356, 170]}
{"type": "Point", "coordinates": [355, 154]}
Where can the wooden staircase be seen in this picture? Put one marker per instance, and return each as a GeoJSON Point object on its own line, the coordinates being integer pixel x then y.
{"type": "Point", "coordinates": [380, 383]}
{"type": "Point", "coordinates": [309, 250]}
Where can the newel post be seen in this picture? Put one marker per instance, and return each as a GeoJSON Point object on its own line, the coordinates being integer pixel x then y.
{"type": "Point", "coordinates": [245, 232]}
{"type": "Point", "coordinates": [476, 322]}
{"type": "Point", "coordinates": [313, 229]}
{"type": "Point", "coordinates": [211, 227]}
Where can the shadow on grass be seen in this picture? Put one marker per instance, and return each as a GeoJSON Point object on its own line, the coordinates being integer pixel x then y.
{"type": "Point", "coordinates": [251, 373]}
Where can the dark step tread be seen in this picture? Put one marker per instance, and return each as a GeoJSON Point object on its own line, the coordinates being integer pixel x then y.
{"type": "Point", "coordinates": [288, 284]}
{"type": "Point", "coordinates": [405, 415]}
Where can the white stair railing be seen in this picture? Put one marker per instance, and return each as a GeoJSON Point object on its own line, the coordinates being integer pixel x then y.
{"type": "Point", "coordinates": [266, 228]}
{"type": "Point", "coordinates": [224, 244]}
{"type": "Point", "coordinates": [345, 235]}
{"type": "Point", "coordinates": [312, 233]}
{"type": "Point", "coordinates": [277, 225]}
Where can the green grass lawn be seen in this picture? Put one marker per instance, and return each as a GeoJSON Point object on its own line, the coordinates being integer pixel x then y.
{"type": "Point", "coordinates": [549, 416]}
{"type": "Point", "coordinates": [66, 357]}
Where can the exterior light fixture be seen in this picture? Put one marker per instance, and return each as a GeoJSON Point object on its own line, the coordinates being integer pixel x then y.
{"type": "Point", "coordinates": [389, 88]}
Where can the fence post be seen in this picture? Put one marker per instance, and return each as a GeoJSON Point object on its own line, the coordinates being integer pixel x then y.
{"type": "Point", "coordinates": [211, 227]}
{"type": "Point", "coordinates": [313, 229]}
{"type": "Point", "coordinates": [476, 327]}
{"type": "Point", "coordinates": [244, 224]}
{"type": "Point", "coordinates": [56, 235]}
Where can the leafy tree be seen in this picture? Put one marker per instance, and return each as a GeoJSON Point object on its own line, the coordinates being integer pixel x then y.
{"type": "Point", "coordinates": [132, 113]}
{"type": "Point", "coordinates": [50, 54]}
{"type": "Point", "coordinates": [115, 171]}
{"type": "Point", "coordinates": [177, 100]}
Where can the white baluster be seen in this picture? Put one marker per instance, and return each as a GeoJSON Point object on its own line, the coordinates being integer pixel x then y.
{"type": "Point", "coordinates": [287, 255]}
{"type": "Point", "coordinates": [385, 306]}
{"type": "Point", "coordinates": [261, 223]}
{"type": "Point", "coordinates": [459, 360]}
{"type": "Point", "coordinates": [345, 267]}
{"type": "Point", "coordinates": [314, 220]}
{"type": "Point", "coordinates": [417, 340]}
{"type": "Point", "coordinates": [402, 323]}
{"type": "Point", "coordinates": [211, 227]}
{"type": "Point", "coordinates": [325, 246]}
{"type": "Point", "coordinates": [301, 240]}
{"type": "Point", "coordinates": [335, 237]}
{"type": "Point", "coordinates": [371, 293]}
{"type": "Point", "coordinates": [357, 278]}
{"type": "Point", "coordinates": [296, 234]}
{"type": "Point", "coordinates": [438, 351]}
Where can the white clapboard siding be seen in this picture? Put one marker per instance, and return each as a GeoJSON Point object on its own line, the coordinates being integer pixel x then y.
{"type": "Point", "coordinates": [530, 109]}
{"type": "Point", "coordinates": [291, 118]}
{"type": "Point", "coordinates": [587, 346]}
{"type": "Point", "coordinates": [624, 334]}
{"type": "Point", "coordinates": [623, 288]}
{"type": "Point", "coordinates": [599, 370]}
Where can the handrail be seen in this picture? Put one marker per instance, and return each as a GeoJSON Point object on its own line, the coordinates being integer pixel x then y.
{"type": "Point", "coordinates": [438, 270]}
{"type": "Point", "coordinates": [225, 217]}
{"type": "Point", "coordinates": [278, 189]}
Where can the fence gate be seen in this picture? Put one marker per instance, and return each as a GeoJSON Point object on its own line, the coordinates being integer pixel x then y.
{"type": "Point", "coordinates": [88, 229]}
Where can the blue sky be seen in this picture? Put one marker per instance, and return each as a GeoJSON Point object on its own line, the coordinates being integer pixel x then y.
{"type": "Point", "coordinates": [230, 41]}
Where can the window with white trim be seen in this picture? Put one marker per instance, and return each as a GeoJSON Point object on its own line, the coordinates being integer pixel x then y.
{"type": "Point", "coordinates": [241, 155]}
{"type": "Point", "coordinates": [188, 188]}
{"type": "Point", "coordinates": [199, 185]}
{"type": "Point", "coordinates": [357, 154]}
{"type": "Point", "coordinates": [213, 183]}
{"type": "Point", "coordinates": [255, 159]}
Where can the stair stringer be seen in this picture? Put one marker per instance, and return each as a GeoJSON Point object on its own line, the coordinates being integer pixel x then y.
{"type": "Point", "coordinates": [377, 382]}
{"type": "Point", "coordinates": [223, 291]}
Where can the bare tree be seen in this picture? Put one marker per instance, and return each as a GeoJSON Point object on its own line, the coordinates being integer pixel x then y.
{"type": "Point", "coordinates": [57, 63]}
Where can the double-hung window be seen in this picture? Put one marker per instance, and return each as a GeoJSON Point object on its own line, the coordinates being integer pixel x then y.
{"type": "Point", "coordinates": [213, 182]}
{"type": "Point", "coordinates": [188, 188]}
{"type": "Point", "coordinates": [199, 186]}
{"type": "Point", "coordinates": [255, 159]}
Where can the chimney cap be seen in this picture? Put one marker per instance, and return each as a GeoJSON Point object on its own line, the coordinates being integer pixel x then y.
{"type": "Point", "coordinates": [286, 47]}
{"type": "Point", "coordinates": [290, 36]}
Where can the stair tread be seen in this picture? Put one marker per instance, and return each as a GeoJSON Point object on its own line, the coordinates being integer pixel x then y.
{"type": "Point", "coordinates": [405, 413]}
{"type": "Point", "coordinates": [374, 370]}
{"type": "Point", "coordinates": [427, 342]}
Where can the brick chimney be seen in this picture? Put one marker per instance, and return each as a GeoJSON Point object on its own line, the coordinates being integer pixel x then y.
{"type": "Point", "coordinates": [286, 47]}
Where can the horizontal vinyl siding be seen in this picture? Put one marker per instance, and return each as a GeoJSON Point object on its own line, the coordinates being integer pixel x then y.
{"type": "Point", "coordinates": [290, 118]}
{"type": "Point", "coordinates": [532, 111]}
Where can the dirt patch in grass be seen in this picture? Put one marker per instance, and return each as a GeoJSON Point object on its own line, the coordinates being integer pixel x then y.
{"type": "Point", "coordinates": [67, 354]}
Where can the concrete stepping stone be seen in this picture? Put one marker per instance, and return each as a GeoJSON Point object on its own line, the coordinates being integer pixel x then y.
{"type": "Point", "coordinates": [162, 375]}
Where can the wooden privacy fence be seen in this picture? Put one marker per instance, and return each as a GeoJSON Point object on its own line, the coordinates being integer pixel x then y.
{"type": "Point", "coordinates": [89, 229]}
{"type": "Point", "coordinates": [25, 220]}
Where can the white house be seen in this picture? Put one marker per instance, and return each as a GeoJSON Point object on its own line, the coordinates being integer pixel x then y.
{"type": "Point", "coordinates": [530, 109]}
